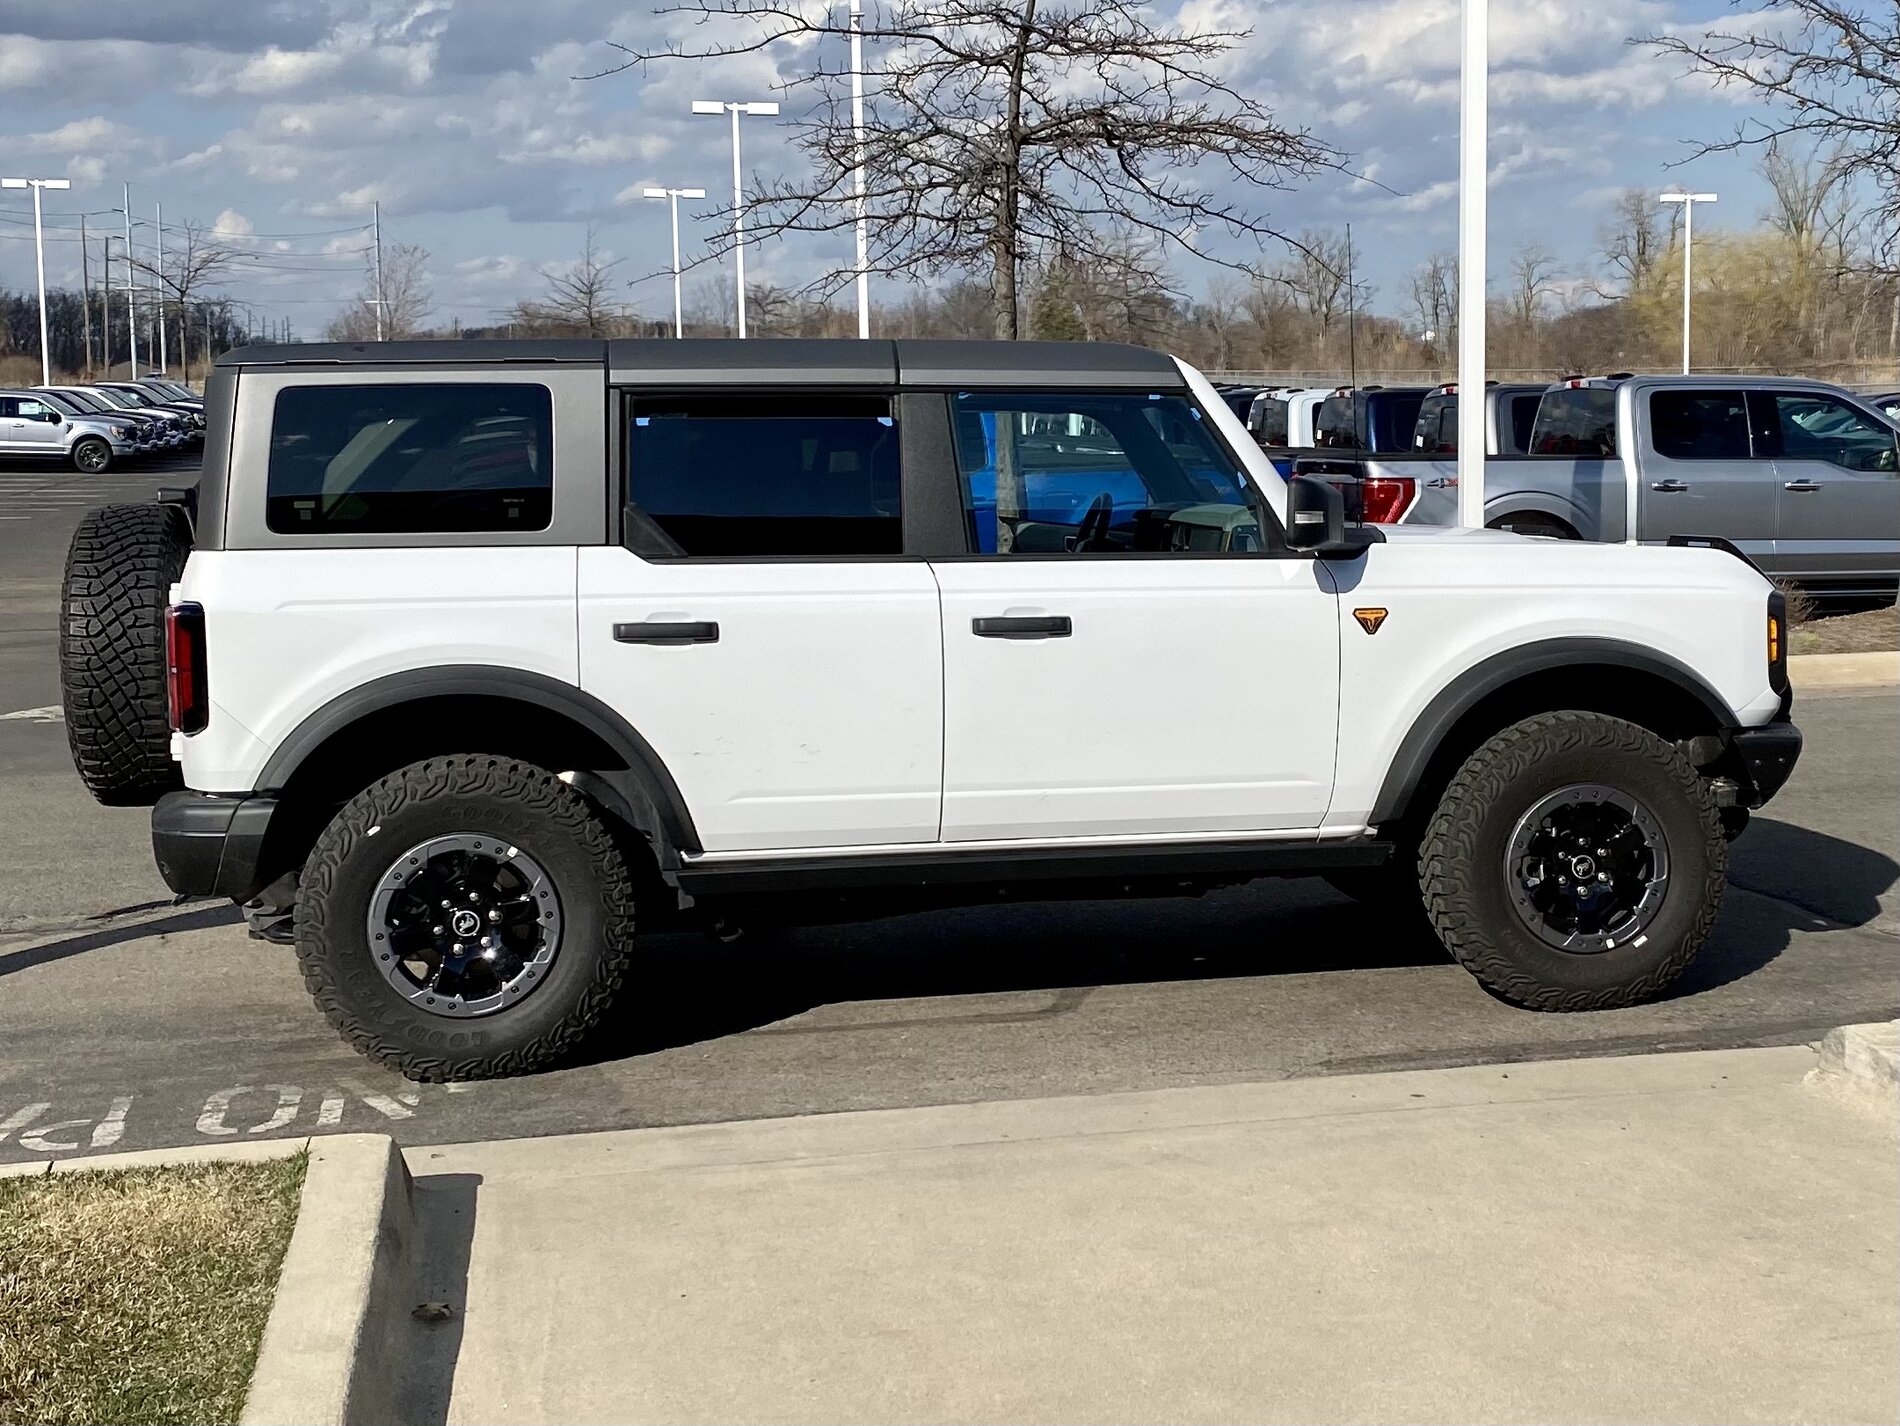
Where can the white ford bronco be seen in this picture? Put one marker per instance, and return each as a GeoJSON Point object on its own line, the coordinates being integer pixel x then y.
{"type": "Point", "coordinates": [465, 663]}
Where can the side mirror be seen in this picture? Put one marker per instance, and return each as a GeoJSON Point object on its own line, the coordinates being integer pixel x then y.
{"type": "Point", "coordinates": [52, 418]}
{"type": "Point", "coordinates": [1316, 521]}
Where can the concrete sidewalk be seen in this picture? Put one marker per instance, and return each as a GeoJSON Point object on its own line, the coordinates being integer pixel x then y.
{"type": "Point", "coordinates": [1671, 1238]}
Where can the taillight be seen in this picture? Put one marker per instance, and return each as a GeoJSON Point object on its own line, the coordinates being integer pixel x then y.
{"type": "Point", "coordinates": [1386, 497]}
{"type": "Point", "coordinates": [185, 694]}
{"type": "Point", "coordinates": [1777, 642]}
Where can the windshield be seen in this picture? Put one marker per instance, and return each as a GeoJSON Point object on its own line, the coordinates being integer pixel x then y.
{"type": "Point", "coordinates": [130, 396]}
{"type": "Point", "coordinates": [86, 401]}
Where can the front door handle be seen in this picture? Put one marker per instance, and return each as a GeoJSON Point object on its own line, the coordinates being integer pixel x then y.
{"type": "Point", "coordinates": [703, 631]}
{"type": "Point", "coordinates": [1039, 626]}
{"type": "Point", "coordinates": [1670, 487]}
{"type": "Point", "coordinates": [1803, 486]}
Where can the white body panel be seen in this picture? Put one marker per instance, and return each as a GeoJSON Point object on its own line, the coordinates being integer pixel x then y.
{"type": "Point", "coordinates": [1704, 609]}
{"type": "Point", "coordinates": [290, 630]}
{"type": "Point", "coordinates": [1194, 695]}
{"type": "Point", "coordinates": [816, 720]}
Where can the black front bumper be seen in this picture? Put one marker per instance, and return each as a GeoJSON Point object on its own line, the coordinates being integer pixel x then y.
{"type": "Point", "coordinates": [210, 845]}
{"type": "Point", "coordinates": [1768, 755]}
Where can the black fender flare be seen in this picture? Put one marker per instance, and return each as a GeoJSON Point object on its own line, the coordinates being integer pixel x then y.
{"type": "Point", "coordinates": [651, 781]}
{"type": "Point", "coordinates": [1490, 675]}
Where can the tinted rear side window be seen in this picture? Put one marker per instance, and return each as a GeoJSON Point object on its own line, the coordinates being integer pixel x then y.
{"type": "Point", "coordinates": [1576, 421]}
{"type": "Point", "coordinates": [429, 457]}
{"type": "Point", "coordinates": [1699, 425]}
{"type": "Point", "coordinates": [762, 476]}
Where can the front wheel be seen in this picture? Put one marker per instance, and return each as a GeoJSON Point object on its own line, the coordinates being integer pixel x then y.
{"type": "Point", "coordinates": [467, 917]}
{"type": "Point", "coordinates": [91, 456]}
{"type": "Point", "coordinates": [1575, 862]}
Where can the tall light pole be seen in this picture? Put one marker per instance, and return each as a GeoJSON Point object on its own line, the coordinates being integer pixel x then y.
{"type": "Point", "coordinates": [673, 196]}
{"type": "Point", "coordinates": [1688, 202]}
{"type": "Point", "coordinates": [857, 166]}
{"type": "Point", "coordinates": [763, 109]}
{"type": "Point", "coordinates": [39, 259]}
{"type": "Point", "coordinates": [1473, 117]}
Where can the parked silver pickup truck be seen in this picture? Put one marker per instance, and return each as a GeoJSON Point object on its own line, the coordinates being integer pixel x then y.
{"type": "Point", "coordinates": [1802, 476]}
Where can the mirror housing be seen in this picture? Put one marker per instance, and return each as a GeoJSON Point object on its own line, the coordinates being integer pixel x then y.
{"type": "Point", "coordinates": [1316, 521]}
{"type": "Point", "coordinates": [53, 418]}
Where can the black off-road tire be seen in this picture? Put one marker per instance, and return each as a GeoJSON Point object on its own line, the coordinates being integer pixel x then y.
{"type": "Point", "coordinates": [1462, 861]}
{"type": "Point", "coordinates": [120, 568]}
{"type": "Point", "coordinates": [91, 455]}
{"type": "Point", "coordinates": [554, 824]}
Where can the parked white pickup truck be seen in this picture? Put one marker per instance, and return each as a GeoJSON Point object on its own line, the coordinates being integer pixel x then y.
{"type": "Point", "coordinates": [471, 660]}
{"type": "Point", "coordinates": [1802, 477]}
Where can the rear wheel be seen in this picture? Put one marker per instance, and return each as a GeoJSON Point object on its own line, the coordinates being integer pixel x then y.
{"type": "Point", "coordinates": [1576, 862]}
{"type": "Point", "coordinates": [91, 455]}
{"type": "Point", "coordinates": [467, 917]}
{"type": "Point", "coordinates": [120, 568]}
{"type": "Point", "coordinates": [1544, 526]}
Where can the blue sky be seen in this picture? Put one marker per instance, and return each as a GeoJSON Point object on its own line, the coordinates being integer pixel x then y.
{"type": "Point", "coordinates": [280, 120]}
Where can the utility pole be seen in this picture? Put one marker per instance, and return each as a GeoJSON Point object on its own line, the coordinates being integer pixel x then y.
{"type": "Point", "coordinates": [857, 165]}
{"type": "Point", "coordinates": [376, 220]}
{"type": "Point", "coordinates": [85, 295]}
{"type": "Point", "coordinates": [131, 284]}
{"type": "Point", "coordinates": [159, 282]}
{"type": "Point", "coordinates": [105, 312]}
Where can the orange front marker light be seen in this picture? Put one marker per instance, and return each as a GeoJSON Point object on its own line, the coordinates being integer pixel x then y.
{"type": "Point", "coordinates": [1774, 640]}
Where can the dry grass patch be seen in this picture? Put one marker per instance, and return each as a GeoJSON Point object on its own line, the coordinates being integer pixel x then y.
{"type": "Point", "coordinates": [1869, 631]}
{"type": "Point", "coordinates": [139, 1296]}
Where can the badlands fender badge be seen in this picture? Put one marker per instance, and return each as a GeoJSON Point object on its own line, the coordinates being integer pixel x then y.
{"type": "Point", "coordinates": [1369, 619]}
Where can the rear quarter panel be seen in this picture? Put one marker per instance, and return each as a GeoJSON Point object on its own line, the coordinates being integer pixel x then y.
{"type": "Point", "coordinates": [287, 631]}
{"type": "Point", "coordinates": [1455, 600]}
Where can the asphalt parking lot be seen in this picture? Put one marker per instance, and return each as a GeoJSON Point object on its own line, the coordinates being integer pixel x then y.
{"type": "Point", "coordinates": [128, 1022]}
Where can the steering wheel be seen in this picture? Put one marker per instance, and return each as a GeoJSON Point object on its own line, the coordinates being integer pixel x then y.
{"type": "Point", "coordinates": [1092, 533]}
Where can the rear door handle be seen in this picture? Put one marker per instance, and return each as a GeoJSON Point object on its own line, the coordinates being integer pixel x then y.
{"type": "Point", "coordinates": [1670, 487]}
{"type": "Point", "coordinates": [1039, 626]}
{"type": "Point", "coordinates": [1802, 485]}
{"type": "Point", "coordinates": [703, 631]}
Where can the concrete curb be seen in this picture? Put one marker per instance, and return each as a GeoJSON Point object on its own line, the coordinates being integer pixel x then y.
{"type": "Point", "coordinates": [253, 1153]}
{"type": "Point", "coordinates": [1815, 671]}
{"type": "Point", "coordinates": [329, 1353]}
{"type": "Point", "coordinates": [1863, 1063]}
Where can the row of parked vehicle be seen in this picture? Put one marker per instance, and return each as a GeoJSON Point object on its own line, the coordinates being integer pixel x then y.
{"type": "Point", "coordinates": [1802, 476]}
{"type": "Point", "coordinates": [94, 427]}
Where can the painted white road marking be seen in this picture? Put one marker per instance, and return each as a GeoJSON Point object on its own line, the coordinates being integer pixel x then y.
{"type": "Point", "coordinates": [20, 1118]}
{"type": "Point", "coordinates": [51, 713]}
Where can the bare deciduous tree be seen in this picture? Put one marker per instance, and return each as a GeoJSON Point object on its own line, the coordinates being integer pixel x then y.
{"type": "Point", "coordinates": [579, 299]}
{"type": "Point", "coordinates": [1533, 278]}
{"type": "Point", "coordinates": [1829, 72]}
{"type": "Point", "coordinates": [406, 299]}
{"type": "Point", "coordinates": [193, 259]}
{"type": "Point", "coordinates": [1632, 241]}
{"type": "Point", "coordinates": [998, 132]}
{"type": "Point", "coordinates": [1434, 293]}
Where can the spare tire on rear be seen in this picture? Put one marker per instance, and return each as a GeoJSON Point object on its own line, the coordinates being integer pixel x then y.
{"type": "Point", "coordinates": [120, 569]}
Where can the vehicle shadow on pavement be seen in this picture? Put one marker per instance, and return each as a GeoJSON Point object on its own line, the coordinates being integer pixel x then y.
{"type": "Point", "coordinates": [703, 989]}
{"type": "Point", "coordinates": [197, 918]}
{"type": "Point", "coordinates": [1809, 881]}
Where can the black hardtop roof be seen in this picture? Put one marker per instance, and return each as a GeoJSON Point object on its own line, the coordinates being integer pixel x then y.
{"type": "Point", "coordinates": [793, 361]}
